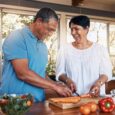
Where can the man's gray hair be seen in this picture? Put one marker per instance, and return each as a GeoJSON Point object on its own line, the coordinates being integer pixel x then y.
{"type": "Point", "coordinates": [45, 14]}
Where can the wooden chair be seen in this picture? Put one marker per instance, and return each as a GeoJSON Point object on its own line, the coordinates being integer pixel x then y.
{"type": "Point", "coordinates": [109, 86]}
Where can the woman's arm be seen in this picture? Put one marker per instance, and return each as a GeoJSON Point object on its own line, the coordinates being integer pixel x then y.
{"type": "Point", "coordinates": [95, 89]}
{"type": "Point", "coordinates": [102, 80]}
{"type": "Point", "coordinates": [105, 71]}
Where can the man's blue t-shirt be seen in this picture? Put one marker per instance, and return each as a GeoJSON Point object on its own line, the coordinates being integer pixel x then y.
{"type": "Point", "coordinates": [22, 44]}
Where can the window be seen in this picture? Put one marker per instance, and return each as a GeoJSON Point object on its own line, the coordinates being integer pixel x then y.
{"type": "Point", "coordinates": [12, 21]}
{"type": "Point", "coordinates": [52, 44]}
{"type": "Point", "coordinates": [69, 36]}
{"type": "Point", "coordinates": [112, 39]}
{"type": "Point", "coordinates": [99, 32]}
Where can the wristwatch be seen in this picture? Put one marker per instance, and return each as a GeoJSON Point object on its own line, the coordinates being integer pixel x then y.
{"type": "Point", "coordinates": [66, 80]}
{"type": "Point", "coordinates": [100, 83]}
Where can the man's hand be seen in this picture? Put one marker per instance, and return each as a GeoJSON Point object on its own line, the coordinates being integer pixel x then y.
{"type": "Point", "coordinates": [63, 90]}
{"type": "Point", "coordinates": [71, 85]}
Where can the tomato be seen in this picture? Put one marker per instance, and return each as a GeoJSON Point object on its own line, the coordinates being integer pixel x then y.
{"type": "Point", "coordinates": [24, 96]}
{"type": "Point", "coordinates": [85, 110]}
{"type": "Point", "coordinates": [93, 106]}
{"type": "Point", "coordinates": [29, 103]}
{"type": "Point", "coordinates": [88, 108]}
{"type": "Point", "coordinates": [3, 101]}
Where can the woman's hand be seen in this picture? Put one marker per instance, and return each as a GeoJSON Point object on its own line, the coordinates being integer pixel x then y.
{"type": "Point", "coordinates": [71, 85]}
{"type": "Point", "coordinates": [95, 90]}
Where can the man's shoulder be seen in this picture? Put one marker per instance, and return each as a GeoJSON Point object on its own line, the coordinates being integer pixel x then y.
{"type": "Point", "coordinates": [15, 37]}
{"type": "Point", "coordinates": [14, 34]}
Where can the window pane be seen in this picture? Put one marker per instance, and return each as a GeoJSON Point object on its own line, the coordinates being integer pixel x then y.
{"type": "Point", "coordinates": [69, 36]}
{"type": "Point", "coordinates": [11, 22]}
{"type": "Point", "coordinates": [97, 33]}
{"type": "Point", "coordinates": [52, 44]}
{"type": "Point", "coordinates": [112, 39]}
{"type": "Point", "coordinates": [0, 48]}
{"type": "Point", "coordinates": [112, 45]}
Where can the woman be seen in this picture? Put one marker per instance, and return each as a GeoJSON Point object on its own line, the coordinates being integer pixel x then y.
{"type": "Point", "coordinates": [83, 65]}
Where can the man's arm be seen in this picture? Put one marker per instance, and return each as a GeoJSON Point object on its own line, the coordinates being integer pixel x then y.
{"type": "Point", "coordinates": [25, 74]}
{"type": "Point", "coordinates": [68, 82]}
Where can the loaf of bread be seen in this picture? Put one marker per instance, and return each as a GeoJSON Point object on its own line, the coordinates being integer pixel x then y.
{"type": "Point", "coordinates": [75, 99]}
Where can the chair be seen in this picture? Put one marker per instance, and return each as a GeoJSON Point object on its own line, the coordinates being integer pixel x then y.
{"type": "Point", "coordinates": [109, 86]}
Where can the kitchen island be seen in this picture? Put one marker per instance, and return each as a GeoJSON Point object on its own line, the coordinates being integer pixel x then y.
{"type": "Point", "coordinates": [48, 109]}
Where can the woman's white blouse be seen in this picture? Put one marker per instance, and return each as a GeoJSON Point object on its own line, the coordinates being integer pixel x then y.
{"type": "Point", "coordinates": [84, 66]}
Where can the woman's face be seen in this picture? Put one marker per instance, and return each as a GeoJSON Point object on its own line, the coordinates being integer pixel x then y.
{"type": "Point", "coordinates": [79, 33]}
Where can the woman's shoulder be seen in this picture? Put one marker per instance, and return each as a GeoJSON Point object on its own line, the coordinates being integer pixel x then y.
{"type": "Point", "coordinates": [100, 47]}
{"type": "Point", "coordinates": [97, 45]}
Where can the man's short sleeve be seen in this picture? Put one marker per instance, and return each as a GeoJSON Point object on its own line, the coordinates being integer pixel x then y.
{"type": "Point", "coordinates": [14, 46]}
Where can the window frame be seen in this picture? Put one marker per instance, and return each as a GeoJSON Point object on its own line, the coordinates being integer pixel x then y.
{"type": "Point", "coordinates": [62, 25]}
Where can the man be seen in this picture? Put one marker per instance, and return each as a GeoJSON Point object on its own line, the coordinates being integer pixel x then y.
{"type": "Point", "coordinates": [25, 58]}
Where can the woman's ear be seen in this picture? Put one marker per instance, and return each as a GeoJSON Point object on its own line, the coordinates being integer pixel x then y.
{"type": "Point", "coordinates": [87, 27]}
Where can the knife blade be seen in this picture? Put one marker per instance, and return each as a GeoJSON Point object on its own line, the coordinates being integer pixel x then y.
{"type": "Point", "coordinates": [77, 93]}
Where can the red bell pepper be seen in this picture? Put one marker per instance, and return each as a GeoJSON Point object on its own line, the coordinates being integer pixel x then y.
{"type": "Point", "coordinates": [106, 104]}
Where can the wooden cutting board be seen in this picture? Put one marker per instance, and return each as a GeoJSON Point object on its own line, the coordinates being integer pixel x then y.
{"type": "Point", "coordinates": [72, 105]}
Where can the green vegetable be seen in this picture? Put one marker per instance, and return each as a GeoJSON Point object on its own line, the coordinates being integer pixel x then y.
{"type": "Point", "coordinates": [15, 105]}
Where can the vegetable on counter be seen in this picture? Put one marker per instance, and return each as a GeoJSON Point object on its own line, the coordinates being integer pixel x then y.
{"type": "Point", "coordinates": [89, 107]}
{"type": "Point", "coordinates": [86, 95]}
{"type": "Point", "coordinates": [12, 104]}
{"type": "Point", "coordinates": [106, 104]}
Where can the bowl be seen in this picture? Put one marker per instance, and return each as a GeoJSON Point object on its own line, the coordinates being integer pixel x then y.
{"type": "Point", "coordinates": [15, 104]}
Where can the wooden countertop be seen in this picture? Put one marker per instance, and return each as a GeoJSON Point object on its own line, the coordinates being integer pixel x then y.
{"type": "Point", "coordinates": [46, 109]}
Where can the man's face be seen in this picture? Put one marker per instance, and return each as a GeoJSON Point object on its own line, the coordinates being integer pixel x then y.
{"type": "Point", "coordinates": [46, 29]}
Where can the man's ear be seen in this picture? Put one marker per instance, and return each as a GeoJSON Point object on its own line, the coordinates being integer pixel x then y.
{"type": "Point", "coordinates": [39, 20]}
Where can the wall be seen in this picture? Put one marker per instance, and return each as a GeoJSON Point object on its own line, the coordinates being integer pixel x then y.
{"type": "Point", "coordinates": [58, 7]}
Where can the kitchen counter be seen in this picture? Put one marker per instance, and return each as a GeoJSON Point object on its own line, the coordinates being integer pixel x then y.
{"type": "Point", "coordinates": [46, 109]}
